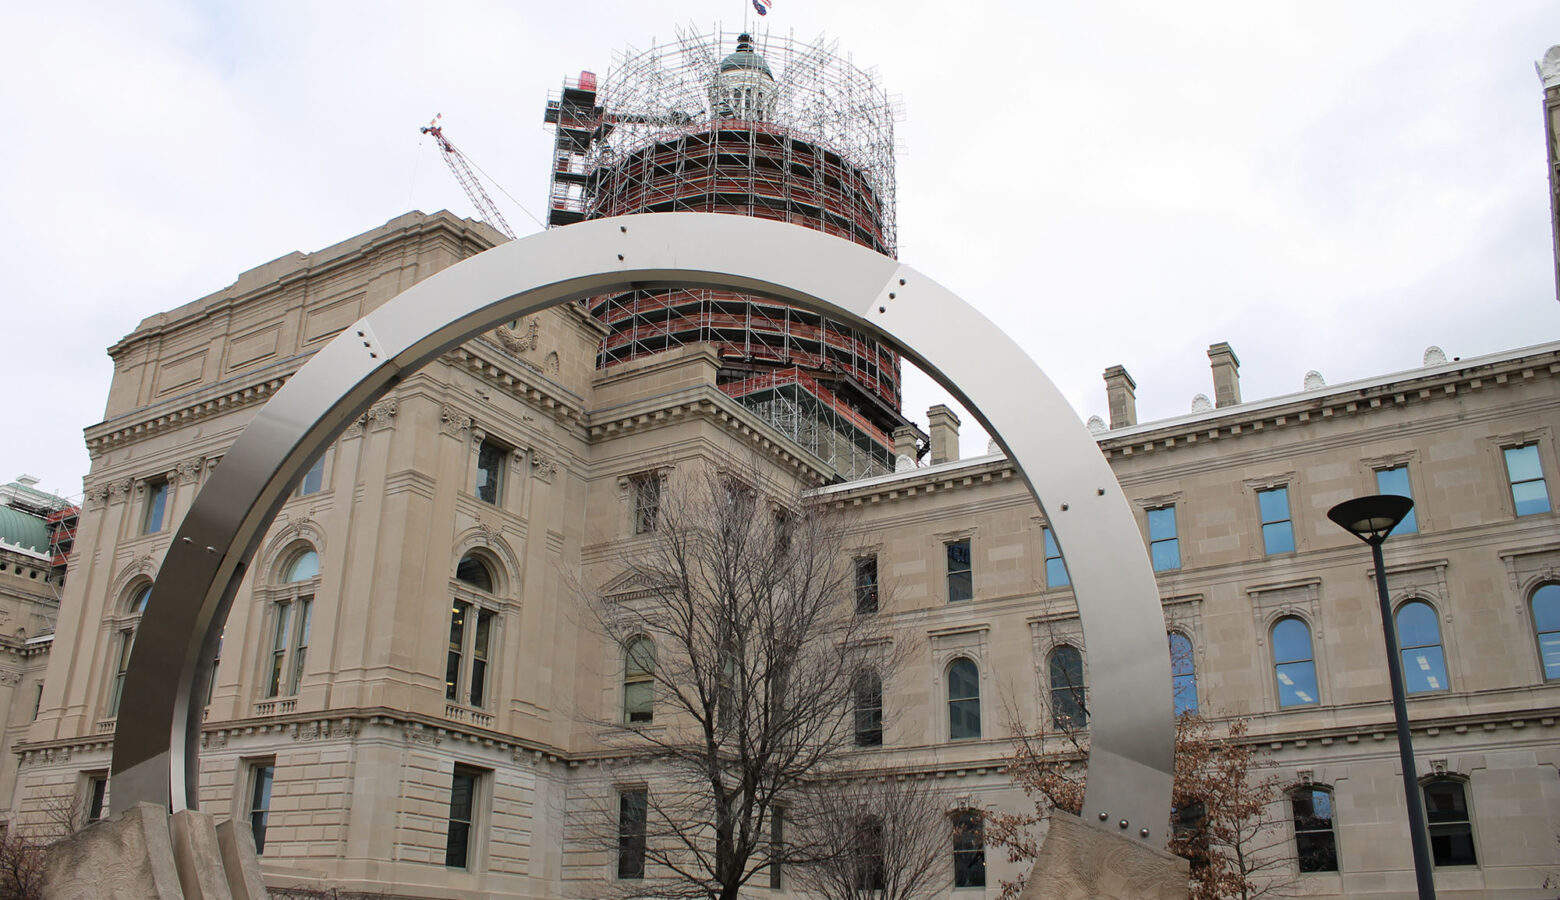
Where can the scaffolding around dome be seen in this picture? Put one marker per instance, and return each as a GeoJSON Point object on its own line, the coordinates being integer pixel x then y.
{"type": "Point", "coordinates": [769, 127]}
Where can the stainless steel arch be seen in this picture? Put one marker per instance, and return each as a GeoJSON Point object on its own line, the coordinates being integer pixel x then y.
{"type": "Point", "coordinates": [1131, 725]}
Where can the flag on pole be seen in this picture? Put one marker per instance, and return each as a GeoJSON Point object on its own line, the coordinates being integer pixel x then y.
{"type": "Point", "coordinates": [763, 6]}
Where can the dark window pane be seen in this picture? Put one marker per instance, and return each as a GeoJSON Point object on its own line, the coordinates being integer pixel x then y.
{"type": "Point", "coordinates": [969, 850]}
{"type": "Point", "coordinates": [960, 578]}
{"type": "Point", "coordinates": [457, 847]}
{"type": "Point", "coordinates": [866, 585]}
{"type": "Point", "coordinates": [473, 571]}
{"type": "Point", "coordinates": [633, 807]}
{"type": "Point", "coordinates": [260, 804]}
{"type": "Point", "coordinates": [869, 710]}
{"type": "Point", "coordinates": [963, 700]}
{"type": "Point", "coordinates": [490, 471]}
{"type": "Point", "coordinates": [1066, 673]}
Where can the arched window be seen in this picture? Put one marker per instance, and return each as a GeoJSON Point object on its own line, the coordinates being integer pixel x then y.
{"type": "Point", "coordinates": [1546, 623]}
{"type": "Point", "coordinates": [1068, 711]}
{"type": "Point", "coordinates": [1451, 827]}
{"type": "Point", "coordinates": [138, 597]}
{"type": "Point", "coordinates": [963, 700]}
{"type": "Point", "coordinates": [869, 709]}
{"type": "Point", "coordinates": [473, 570]}
{"type": "Point", "coordinates": [1316, 841]}
{"type": "Point", "coordinates": [639, 681]}
{"type": "Point", "coordinates": [1183, 673]}
{"type": "Point", "coordinates": [303, 566]}
{"type": "Point", "coordinates": [1419, 642]}
{"type": "Point", "coordinates": [1293, 665]}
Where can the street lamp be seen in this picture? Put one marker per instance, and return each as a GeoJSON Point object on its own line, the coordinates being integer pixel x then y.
{"type": "Point", "coordinates": [1371, 519]}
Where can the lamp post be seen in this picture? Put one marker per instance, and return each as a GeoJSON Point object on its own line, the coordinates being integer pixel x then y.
{"type": "Point", "coordinates": [1371, 519]}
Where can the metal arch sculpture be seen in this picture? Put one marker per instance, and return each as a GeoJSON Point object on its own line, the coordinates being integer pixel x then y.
{"type": "Point", "coordinates": [1131, 724]}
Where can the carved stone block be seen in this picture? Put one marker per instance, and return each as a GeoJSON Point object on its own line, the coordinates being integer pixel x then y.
{"type": "Point", "coordinates": [1078, 862]}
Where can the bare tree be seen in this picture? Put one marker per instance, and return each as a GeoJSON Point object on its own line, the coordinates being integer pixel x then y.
{"type": "Point", "coordinates": [742, 653]}
{"type": "Point", "coordinates": [888, 839]}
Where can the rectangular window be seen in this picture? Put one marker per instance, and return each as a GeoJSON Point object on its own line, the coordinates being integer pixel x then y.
{"type": "Point", "coordinates": [969, 849]}
{"type": "Point", "coordinates": [1394, 481]}
{"type": "Point", "coordinates": [1529, 493]}
{"type": "Point", "coordinates": [490, 472]}
{"type": "Point", "coordinates": [1055, 567]}
{"type": "Point", "coordinates": [126, 643]}
{"type": "Point", "coordinates": [38, 702]}
{"type": "Point", "coordinates": [633, 811]}
{"type": "Point", "coordinates": [452, 663]}
{"type": "Point", "coordinates": [647, 501]}
{"type": "Point", "coordinates": [961, 580]}
{"type": "Point", "coordinates": [776, 846]}
{"type": "Point", "coordinates": [314, 479]}
{"type": "Point", "coordinates": [300, 647]}
{"type": "Point", "coordinates": [866, 585]}
{"type": "Point", "coordinates": [156, 506]}
{"type": "Point", "coordinates": [97, 796]}
{"type": "Point", "coordinates": [463, 811]}
{"type": "Point", "coordinates": [479, 656]}
{"type": "Point", "coordinates": [1278, 532]}
{"type": "Point", "coordinates": [261, 778]}
{"type": "Point", "coordinates": [1164, 544]}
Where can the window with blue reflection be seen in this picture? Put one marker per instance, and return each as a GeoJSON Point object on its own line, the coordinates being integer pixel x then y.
{"type": "Point", "coordinates": [1394, 481]}
{"type": "Point", "coordinates": [1164, 543]}
{"type": "Point", "coordinates": [1055, 567]}
{"type": "Point", "coordinates": [1183, 673]}
{"type": "Point", "coordinates": [302, 567]}
{"type": "Point", "coordinates": [963, 700]}
{"type": "Point", "coordinates": [1419, 642]}
{"type": "Point", "coordinates": [1529, 494]}
{"type": "Point", "coordinates": [314, 479]}
{"type": "Point", "coordinates": [1278, 532]}
{"type": "Point", "coordinates": [1293, 665]}
{"type": "Point", "coordinates": [1546, 622]}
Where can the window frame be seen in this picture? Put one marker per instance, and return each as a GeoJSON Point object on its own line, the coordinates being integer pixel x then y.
{"type": "Point", "coordinates": [125, 641]}
{"type": "Point", "coordinates": [1553, 590]}
{"type": "Point", "coordinates": [631, 858]}
{"type": "Point", "coordinates": [470, 830]}
{"type": "Point", "coordinates": [969, 845]}
{"type": "Point", "coordinates": [1278, 676]}
{"type": "Point", "coordinates": [313, 480]}
{"type": "Point", "coordinates": [960, 581]}
{"type": "Point", "coordinates": [488, 482]}
{"type": "Point", "coordinates": [95, 796]}
{"type": "Point", "coordinates": [158, 496]}
{"type": "Point", "coordinates": [965, 703]}
{"type": "Point", "coordinates": [1056, 574]}
{"type": "Point", "coordinates": [633, 679]}
{"type": "Point", "coordinates": [1304, 835]}
{"type": "Point", "coordinates": [1172, 542]}
{"type": "Point", "coordinates": [866, 583]}
{"type": "Point", "coordinates": [1404, 647]}
{"type": "Point", "coordinates": [1447, 824]}
{"type": "Point", "coordinates": [867, 717]}
{"type": "Point", "coordinates": [1288, 520]}
{"type": "Point", "coordinates": [1182, 683]}
{"type": "Point", "coordinates": [1410, 522]}
{"type": "Point", "coordinates": [288, 624]}
{"type": "Point", "coordinates": [645, 489]}
{"type": "Point", "coordinates": [261, 788]}
{"type": "Point", "coordinates": [1512, 481]}
{"type": "Point", "coordinates": [1068, 696]}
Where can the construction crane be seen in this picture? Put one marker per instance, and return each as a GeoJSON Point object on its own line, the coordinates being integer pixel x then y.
{"type": "Point", "coordinates": [468, 179]}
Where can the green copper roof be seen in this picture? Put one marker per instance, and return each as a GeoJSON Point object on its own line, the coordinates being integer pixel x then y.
{"type": "Point", "coordinates": [21, 530]}
{"type": "Point", "coordinates": [745, 59]}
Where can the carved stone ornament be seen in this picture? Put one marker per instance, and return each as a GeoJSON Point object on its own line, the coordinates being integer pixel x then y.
{"type": "Point", "coordinates": [188, 470]}
{"type": "Point", "coordinates": [97, 497]}
{"type": "Point", "coordinates": [382, 414]}
{"type": "Point", "coordinates": [552, 363]}
{"type": "Point", "coordinates": [519, 340]}
{"type": "Point", "coordinates": [10, 677]}
{"type": "Point", "coordinates": [119, 490]}
{"type": "Point", "coordinates": [543, 467]}
{"type": "Point", "coordinates": [453, 422]}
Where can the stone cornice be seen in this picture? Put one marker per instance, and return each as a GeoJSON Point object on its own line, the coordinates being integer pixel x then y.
{"type": "Point", "coordinates": [218, 399]}
{"type": "Point", "coordinates": [526, 384]}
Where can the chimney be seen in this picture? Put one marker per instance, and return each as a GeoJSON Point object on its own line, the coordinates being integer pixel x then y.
{"type": "Point", "coordinates": [904, 442]}
{"type": "Point", "coordinates": [944, 428]}
{"type": "Point", "coordinates": [1226, 375]}
{"type": "Point", "coordinates": [1121, 394]}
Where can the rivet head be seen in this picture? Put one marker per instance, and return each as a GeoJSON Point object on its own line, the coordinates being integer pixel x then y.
{"type": "Point", "coordinates": [623, 228]}
{"type": "Point", "coordinates": [892, 295]}
{"type": "Point", "coordinates": [211, 549]}
{"type": "Point", "coordinates": [1122, 823]}
{"type": "Point", "coordinates": [1100, 491]}
{"type": "Point", "coordinates": [1064, 507]}
{"type": "Point", "coordinates": [187, 540]}
{"type": "Point", "coordinates": [882, 309]}
{"type": "Point", "coordinates": [1143, 832]}
{"type": "Point", "coordinates": [1104, 816]}
{"type": "Point", "coordinates": [620, 257]}
{"type": "Point", "coordinates": [901, 281]}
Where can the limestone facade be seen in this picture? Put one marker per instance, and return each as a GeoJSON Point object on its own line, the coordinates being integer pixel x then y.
{"type": "Point", "coordinates": [344, 688]}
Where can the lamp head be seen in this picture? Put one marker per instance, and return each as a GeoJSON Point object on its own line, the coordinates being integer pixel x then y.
{"type": "Point", "coordinates": [1371, 518]}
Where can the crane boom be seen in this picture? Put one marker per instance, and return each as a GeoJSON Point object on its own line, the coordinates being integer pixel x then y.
{"type": "Point", "coordinates": [467, 178]}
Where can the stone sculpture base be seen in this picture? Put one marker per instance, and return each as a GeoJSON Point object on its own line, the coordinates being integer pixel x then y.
{"type": "Point", "coordinates": [1078, 862]}
{"type": "Point", "coordinates": [145, 854]}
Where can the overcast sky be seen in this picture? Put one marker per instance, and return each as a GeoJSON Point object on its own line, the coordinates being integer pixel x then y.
{"type": "Point", "coordinates": [1325, 185]}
